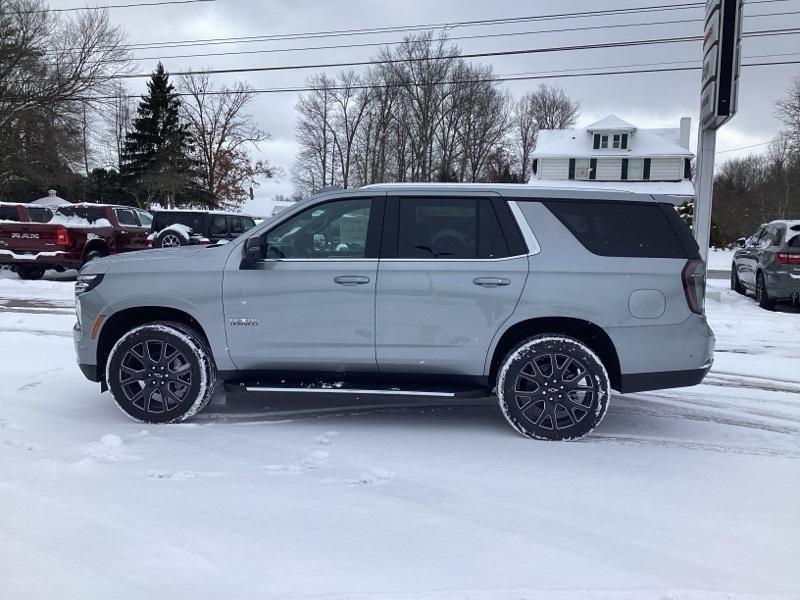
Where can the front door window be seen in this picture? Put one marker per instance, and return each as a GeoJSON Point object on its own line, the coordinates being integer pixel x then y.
{"type": "Point", "coordinates": [332, 230]}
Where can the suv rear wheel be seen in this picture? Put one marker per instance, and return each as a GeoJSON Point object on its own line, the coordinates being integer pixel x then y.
{"type": "Point", "coordinates": [762, 295]}
{"type": "Point", "coordinates": [553, 387]}
{"type": "Point", "coordinates": [161, 373]}
{"type": "Point", "coordinates": [170, 239]}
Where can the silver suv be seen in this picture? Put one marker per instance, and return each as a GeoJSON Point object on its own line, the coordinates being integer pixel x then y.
{"type": "Point", "coordinates": [550, 297]}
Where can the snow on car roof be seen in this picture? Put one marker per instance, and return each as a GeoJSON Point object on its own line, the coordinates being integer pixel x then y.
{"type": "Point", "coordinates": [198, 210]}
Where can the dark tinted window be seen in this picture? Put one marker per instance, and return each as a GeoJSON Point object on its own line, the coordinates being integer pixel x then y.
{"type": "Point", "coordinates": [218, 226]}
{"type": "Point", "coordinates": [8, 213]}
{"type": "Point", "coordinates": [248, 222]}
{"type": "Point", "coordinates": [192, 220]}
{"type": "Point", "coordinates": [127, 217]}
{"type": "Point", "coordinates": [449, 228]}
{"type": "Point", "coordinates": [39, 214]}
{"type": "Point", "coordinates": [620, 228]}
{"type": "Point", "coordinates": [236, 225]}
{"type": "Point", "coordinates": [794, 242]}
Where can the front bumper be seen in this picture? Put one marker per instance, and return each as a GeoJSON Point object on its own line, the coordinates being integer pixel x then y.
{"type": "Point", "coordinates": [84, 354]}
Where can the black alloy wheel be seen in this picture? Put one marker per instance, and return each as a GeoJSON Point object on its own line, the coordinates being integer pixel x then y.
{"type": "Point", "coordinates": [553, 388]}
{"type": "Point", "coordinates": [161, 373]}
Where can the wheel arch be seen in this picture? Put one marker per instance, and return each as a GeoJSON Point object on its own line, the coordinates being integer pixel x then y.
{"type": "Point", "coordinates": [116, 325]}
{"type": "Point", "coordinates": [98, 245]}
{"type": "Point", "coordinates": [584, 331]}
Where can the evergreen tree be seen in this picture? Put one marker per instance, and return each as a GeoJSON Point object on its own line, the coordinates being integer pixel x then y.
{"type": "Point", "coordinates": [155, 161]}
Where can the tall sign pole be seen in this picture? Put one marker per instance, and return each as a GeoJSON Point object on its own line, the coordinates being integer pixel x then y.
{"type": "Point", "coordinates": [719, 92]}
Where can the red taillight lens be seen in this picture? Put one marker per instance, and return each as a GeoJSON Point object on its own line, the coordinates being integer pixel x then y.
{"type": "Point", "coordinates": [784, 258]}
{"type": "Point", "coordinates": [693, 278]}
{"type": "Point", "coordinates": [62, 237]}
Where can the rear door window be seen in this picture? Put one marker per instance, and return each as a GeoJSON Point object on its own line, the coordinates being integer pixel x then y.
{"type": "Point", "coordinates": [39, 214]}
{"type": "Point", "coordinates": [8, 213]}
{"type": "Point", "coordinates": [218, 226]}
{"type": "Point", "coordinates": [126, 216]}
{"type": "Point", "coordinates": [631, 229]}
{"type": "Point", "coordinates": [236, 225]}
{"type": "Point", "coordinates": [449, 228]}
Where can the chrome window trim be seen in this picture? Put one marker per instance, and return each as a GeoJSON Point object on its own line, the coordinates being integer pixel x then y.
{"type": "Point", "coordinates": [527, 233]}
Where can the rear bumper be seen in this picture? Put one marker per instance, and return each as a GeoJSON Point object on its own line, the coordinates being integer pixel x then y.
{"type": "Point", "coordinates": [55, 258]}
{"type": "Point", "coordinates": [783, 285]}
{"type": "Point", "coordinates": [642, 382]}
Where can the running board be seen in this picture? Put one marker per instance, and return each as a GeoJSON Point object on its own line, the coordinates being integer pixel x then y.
{"type": "Point", "coordinates": [320, 387]}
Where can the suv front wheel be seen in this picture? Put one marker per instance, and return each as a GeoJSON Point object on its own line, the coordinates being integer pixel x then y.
{"type": "Point", "coordinates": [161, 372]}
{"type": "Point", "coordinates": [553, 387]}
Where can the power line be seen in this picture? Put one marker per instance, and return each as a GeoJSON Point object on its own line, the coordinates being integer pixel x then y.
{"type": "Point", "coordinates": [498, 79]}
{"type": "Point", "coordinates": [449, 39]}
{"type": "Point", "coordinates": [104, 6]}
{"type": "Point", "coordinates": [424, 26]}
{"type": "Point", "coordinates": [750, 146]}
{"type": "Point", "coordinates": [361, 63]}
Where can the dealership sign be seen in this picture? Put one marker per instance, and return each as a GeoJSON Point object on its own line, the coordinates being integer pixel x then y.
{"type": "Point", "coordinates": [721, 62]}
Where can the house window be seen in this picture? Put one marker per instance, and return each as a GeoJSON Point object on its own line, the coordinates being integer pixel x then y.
{"type": "Point", "coordinates": [604, 141]}
{"type": "Point", "coordinates": [617, 140]}
{"type": "Point", "coordinates": [635, 168]}
{"type": "Point", "coordinates": [582, 168]}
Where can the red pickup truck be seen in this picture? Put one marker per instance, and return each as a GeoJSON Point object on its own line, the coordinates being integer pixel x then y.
{"type": "Point", "coordinates": [69, 236]}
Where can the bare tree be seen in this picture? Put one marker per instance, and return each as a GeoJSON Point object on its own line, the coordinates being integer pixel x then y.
{"type": "Point", "coordinates": [350, 101]}
{"type": "Point", "coordinates": [788, 110]}
{"type": "Point", "coordinates": [51, 68]}
{"type": "Point", "coordinates": [223, 134]}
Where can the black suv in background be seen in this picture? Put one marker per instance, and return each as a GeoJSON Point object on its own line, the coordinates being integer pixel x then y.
{"type": "Point", "coordinates": [183, 227]}
{"type": "Point", "coordinates": [768, 263]}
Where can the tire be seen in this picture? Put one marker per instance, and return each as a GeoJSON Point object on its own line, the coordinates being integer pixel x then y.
{"type": "Point", "coordinates": [180, 364]}
{"type": "Point", "coordinates": [170, 239]}
{"type": "Point", "coordinates": [31, 272]}
{"type": "Point", "coordinates": [736, 285]}
{"type": "Point", "coordinates": [762, 294]}
{"type": "Point", "coordinates": [90, 256]}
{"type": "Point", "coordinates": [553, 387]}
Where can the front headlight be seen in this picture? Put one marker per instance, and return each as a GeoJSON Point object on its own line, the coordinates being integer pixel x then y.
{"type": "Point", "coordinates": [85, 283]}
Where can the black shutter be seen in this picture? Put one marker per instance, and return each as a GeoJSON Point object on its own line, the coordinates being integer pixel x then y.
{"type": "Point", "coordinates": [593, 168]}
{"type": "Point", "coordinates": [646, 169]}
{"type": "Point", "coordinates": [535, 165]}
{"type": "Point", "coordinates": [624, 141]}
{"type": "Point", "coordinates": [624, 168]}
{"type": "Point", "coordinates": [687, 168]}
{"type": "Point", "coordinates": [572, 168]}
{"type": "Point", "coordinates": [596, 145]}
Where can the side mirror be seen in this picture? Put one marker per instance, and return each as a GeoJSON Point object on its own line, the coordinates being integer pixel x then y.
{"type": "Point", "coordinates": [252, 253]}
{"type": "Point", "coordinates": [741, 242]}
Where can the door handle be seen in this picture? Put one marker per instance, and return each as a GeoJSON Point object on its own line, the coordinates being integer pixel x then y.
{"type": "Point", "coordinates": [491, 282]}
{"type": "Point", "coordinates": [351, 279]}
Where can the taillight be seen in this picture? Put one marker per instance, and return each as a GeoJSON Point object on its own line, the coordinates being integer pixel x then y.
{"type": "Point", "coordinates": [784, 258]}
{"type": "Point", "coordinates": [693, 278]}
{"type": "Point", "coordinates": [149, 243]}
{"type": "Point", "coordinates": [62, 237]}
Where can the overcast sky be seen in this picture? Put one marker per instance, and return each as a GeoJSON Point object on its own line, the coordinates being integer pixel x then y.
{"type": "Point", "coordinates": [646, 100]}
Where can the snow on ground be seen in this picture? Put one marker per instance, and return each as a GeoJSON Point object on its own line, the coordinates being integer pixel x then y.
{"type": "Point", "coordinates": [720, 259]}
{"type": "Point", "coordinates": [679, 494]}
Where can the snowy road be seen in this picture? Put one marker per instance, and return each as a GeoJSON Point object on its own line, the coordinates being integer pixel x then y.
{"type": "Point", "coordinates": [679, 494]}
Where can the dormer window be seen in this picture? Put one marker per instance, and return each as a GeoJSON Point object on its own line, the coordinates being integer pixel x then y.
{"type": "Point", "coordinates": [604, 141]}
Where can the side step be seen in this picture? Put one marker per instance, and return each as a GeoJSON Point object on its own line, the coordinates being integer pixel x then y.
{"type": "Point", "coordinates": [361, 388]}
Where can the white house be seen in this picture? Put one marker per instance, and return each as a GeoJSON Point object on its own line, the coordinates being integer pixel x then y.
{"type": "Point", "coordinates": [614, 154]}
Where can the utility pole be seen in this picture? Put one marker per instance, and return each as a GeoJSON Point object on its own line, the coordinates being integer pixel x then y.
{"type": "Point", "coordinates": [718, 102]}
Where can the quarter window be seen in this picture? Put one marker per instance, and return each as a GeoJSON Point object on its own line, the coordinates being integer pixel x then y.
{"type": "Point", "coordinates": [331, 230]}
{"type": "Point", "coordinates": [38, 214]}
{"type": "Point", "coordinates": [449, 228]}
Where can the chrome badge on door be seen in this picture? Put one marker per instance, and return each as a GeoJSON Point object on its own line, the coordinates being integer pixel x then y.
{"type": "Point", "coordinates": [244, 322]}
